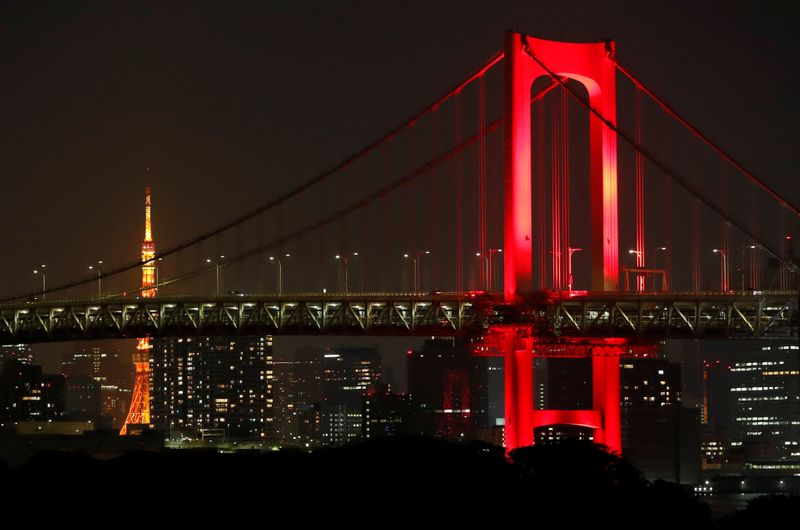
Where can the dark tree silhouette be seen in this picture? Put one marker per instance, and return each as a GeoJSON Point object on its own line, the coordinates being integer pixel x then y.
{"type": "Point", "coordinates": [767, 511]}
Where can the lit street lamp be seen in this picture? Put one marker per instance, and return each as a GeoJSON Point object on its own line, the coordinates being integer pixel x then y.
{"type": "Point", "coordinates": [724, 279]}
{"type": "Point", "coordinates": [741, 268]}
{"type": "Point", "coordinates": [492, 252]}
{"type": "Point", "coordinates": [572, 250]}
{"type": "Point", "coordinates": [664, 250]}
{"type": "Point", "coordinates": [216, 267]}
{"type": "Point", "coordinates": [44, 280]}
{"type": "Point", "coordinates": [638, 254]}
{"type": "Point", "coordinates": [415, 259]}
{"type": "Point", "coordinates": [158, 261]}
{"type": "Point", "coordinates": [99, 278]}
{"type": "Point", "coordinates": [343, 258]}
{"type": "Point", "coordinates": [280, 271]}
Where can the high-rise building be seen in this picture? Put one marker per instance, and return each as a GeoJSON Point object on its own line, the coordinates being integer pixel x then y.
{"type": "Point", "coordinates": [213, 387]}
{"type": "Point", "coordinates": [103, 363]}
{"type": "Point", "coordinates": [715, 415]}
{"type": "Point", "coordinates": [82, 399]}
{"type": "Point", "coordinates": [347, 373]}
{"type": "Point", "coordinates": [26, 394]}
{"type": "Point", "coordinates": [659, 436]}
{"type": "Point", "coordinates": [448, 389]}
{"type": "Point", "coordinates": [765, 407]}
{"type": "Point", "coordinates": [19, 352]}
{"type": "Point", "coordinates": [283, 394]}
{"type": "Point", "coordinates": [385, 413]}
{"type": "Point", "coordinates": [304, 411]}
{"type": "Point", "coordinates": [495, 390]}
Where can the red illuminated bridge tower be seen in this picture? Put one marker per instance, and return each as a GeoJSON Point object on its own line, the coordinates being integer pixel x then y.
{"type": "Point", "coordinates": [527, 59]}
{"type": "Point", "coordinates": [139, 413]}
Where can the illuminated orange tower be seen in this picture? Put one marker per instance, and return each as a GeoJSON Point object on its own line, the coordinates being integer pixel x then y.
{"type": "Point", "coordinates": [139, 413]}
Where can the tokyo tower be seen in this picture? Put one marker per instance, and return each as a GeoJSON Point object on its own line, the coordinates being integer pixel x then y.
{"type": "Point", "coordinates": [139, 413]}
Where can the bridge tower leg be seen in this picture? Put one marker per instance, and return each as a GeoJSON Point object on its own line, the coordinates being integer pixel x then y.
{"type": "Point", "coordinates": [589, 64]}
{"type": "Point", "coordinates": [606, 397]}
{"type": "Point", "coordinates": [518, 375]}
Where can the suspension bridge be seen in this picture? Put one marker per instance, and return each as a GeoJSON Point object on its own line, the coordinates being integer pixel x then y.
{"type": "Point", "coordinates": [617, 226]}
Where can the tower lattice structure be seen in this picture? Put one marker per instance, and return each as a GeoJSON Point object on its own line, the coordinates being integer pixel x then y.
{"type": "Point", "coordinates": [139, 413]}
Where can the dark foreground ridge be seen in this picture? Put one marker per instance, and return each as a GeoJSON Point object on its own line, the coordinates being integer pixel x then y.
{"type": "Point", "coordinates": [392, 478]}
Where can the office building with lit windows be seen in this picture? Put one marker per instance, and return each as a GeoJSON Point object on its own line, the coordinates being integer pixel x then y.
{"type": "Point", "coordinates": [765, 407]}
{"type": "Point", "coordinates": [26, 394]}
{"type": "Point", "coordinates": [212, 387]}
{"type": "Point", "coordinates": [659, 435]}
{"type": "Point", "coordinates": [347, 373]}
{"type": "Point", "coordinates": [301, 407]}
{"type": "Point", "coordinates": [19, 352]}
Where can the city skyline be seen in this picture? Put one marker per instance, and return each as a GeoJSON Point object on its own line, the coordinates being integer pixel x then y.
{"type": "Point", "coordinates": [550, 233]}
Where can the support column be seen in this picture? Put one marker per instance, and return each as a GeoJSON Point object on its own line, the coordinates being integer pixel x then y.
{"type": "Point", "coordinates": [518, 250]}
{"type": "Point", "coordinates": [606, 397]}
{"type": "Point", "coordinates": [518, 396]}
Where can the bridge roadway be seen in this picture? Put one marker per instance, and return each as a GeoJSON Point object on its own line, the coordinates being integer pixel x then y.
{"type": "Point", "coordinates": [705, 315]}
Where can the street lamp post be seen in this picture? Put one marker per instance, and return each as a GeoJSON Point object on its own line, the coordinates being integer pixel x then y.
{"type": "Point", "coordinates": [724, 279]}
{"type": "Point", "coordinates": [157, 262]}
{"type": "Point", "coordinates": [655, 249]}
{"type": "Point", "coordinates": [637, 253]}
{"type": "Point", "coordinates": [343, 259]}
{"type": "Point", "coordinates": [417, 266]}
{"type": "Point", "coordinates": [280, 271]}
{"type": "Point", "coordinates": [483, 259]}
{"type": "Point", "coordinates": [492, 252]}
{"type": "Point", "coordinates": [741, 268]}
{"type": "Point", "coordinates": [216, 269]}
{"type": "Point", "coordinates": [99, 278]}
{"type": "Point", "coordinates": [415, 260]}
{"type": "Point", "coordinates": [44, 280]}
{"type": "Point", "coordinates": [572, 250]}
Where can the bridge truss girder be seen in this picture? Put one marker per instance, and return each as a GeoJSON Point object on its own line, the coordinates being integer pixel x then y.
{"type": "Point", "coordinates": [625, 315]}
{"type": "Point", "coordinates": [709, 317]}
{"type": "Point", "coordinates": [153, 317]}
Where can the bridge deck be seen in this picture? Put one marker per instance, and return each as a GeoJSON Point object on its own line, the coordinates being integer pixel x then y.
{"type": "Point", "coordinates": [551, 314]}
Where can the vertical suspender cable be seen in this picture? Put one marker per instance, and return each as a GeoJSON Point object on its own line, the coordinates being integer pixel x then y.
{"type": "Point", "coordinates": [640, 243]}
{"type": "Point", "coordinates": [436, 210]}
{"type": "Point", "coordinates": [695, 223]}
{"type": "Point", "coordinates": [458, 178]}
{"type": "Point", "coordinates": [564, 189]}
{"type": "Point", "coordinates": [541, 214]}
{"type": "Point", "coordinates": [555, 194]}
{"type": "Point", "coordinates": [482, 182]}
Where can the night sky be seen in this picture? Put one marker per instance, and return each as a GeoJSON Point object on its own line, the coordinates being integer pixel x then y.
{"type": "Point", "coordinates": [227, 103]}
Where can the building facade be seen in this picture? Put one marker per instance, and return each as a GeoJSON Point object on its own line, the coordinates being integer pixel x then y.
{"type": "Point", "coordinates": [765, 407]}
{"type": "Point", "coordinates": [347, 373]}
{"type": "Point", "coordinates": [449, 390]}
{"type": "Point", "coordinates": [212, 387]}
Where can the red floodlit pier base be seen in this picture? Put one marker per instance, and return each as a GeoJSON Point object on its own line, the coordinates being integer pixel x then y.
{"type": "Point", "coordinates": [519, 347]}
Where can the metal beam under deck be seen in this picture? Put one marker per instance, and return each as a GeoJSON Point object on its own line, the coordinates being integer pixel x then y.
{"type": "Point", "coordinates": [370, 314]}
{"type": "Point", "coordinates": [699, 315]}
{"type": "Point", "coordinates": [702, 315]}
